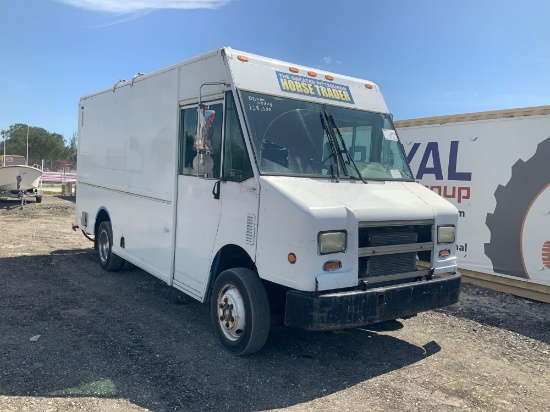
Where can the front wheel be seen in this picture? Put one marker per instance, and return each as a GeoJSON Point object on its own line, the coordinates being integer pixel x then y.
{"type": "Point", "coordinates": [107, 259]}
{"type": "Point", "coordinates": [240, 311]}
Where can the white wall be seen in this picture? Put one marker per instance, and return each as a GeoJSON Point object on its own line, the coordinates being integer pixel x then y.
{"type": "Point", "coordinates": [497, 173]}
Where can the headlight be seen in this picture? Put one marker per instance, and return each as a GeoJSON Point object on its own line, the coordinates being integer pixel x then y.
{"type": "Point", "coordinates": [445, 234]}
{"type": "Point", "coordinates": [332, 242]}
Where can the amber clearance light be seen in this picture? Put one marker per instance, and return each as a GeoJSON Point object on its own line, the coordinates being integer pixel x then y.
{"type": "Point", "coordinates": [444, 253]}
{"type": "Point", "coordinates": [332, 265]}
{"type": "Point", "coordinates": [242, 58]}
{"type": "Point", "coordinates": [293, 69]}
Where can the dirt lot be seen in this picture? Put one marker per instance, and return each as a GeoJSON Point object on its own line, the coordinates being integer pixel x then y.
{"type": "Point", "coordinates": [127, 342]}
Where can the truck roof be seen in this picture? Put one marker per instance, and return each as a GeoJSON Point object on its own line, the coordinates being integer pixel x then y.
{"type": "Point", "coordinates": [280, 78]}
{"type": "Point", "coordinates": [263, 74]}
{"type": "Point", "coordinates": [141, 76]}
{"type": "Point", "coordinates": [274, 63]}
{"type": "Point", "coordinates": [470, 117]}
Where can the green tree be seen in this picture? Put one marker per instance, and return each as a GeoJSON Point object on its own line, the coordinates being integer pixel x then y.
{"type": "Point", "coordinates": [42, 144]}
{"type": "Point", "coordinates": [72, 149]}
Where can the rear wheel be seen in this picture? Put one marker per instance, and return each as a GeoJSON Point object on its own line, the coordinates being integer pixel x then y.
{"type": "Point", "coordinates": [107, 259]}
{"type": "Point", "coordinates": [38, 199]}
{"type": "Point", "coordinates": [240, 311]}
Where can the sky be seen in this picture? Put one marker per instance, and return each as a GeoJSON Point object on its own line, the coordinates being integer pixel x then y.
{"type": "Point", "coordinates": [429, 57]}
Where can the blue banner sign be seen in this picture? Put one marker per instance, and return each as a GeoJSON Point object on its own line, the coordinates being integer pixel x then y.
{"type": "Point", "coordinates": [307, 86]}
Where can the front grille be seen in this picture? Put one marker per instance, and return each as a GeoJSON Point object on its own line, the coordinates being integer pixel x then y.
{"type": "Point", "coordinates": [386, 236]}
{"type": "Point", "coordinates": [391, 264]}
{"type": "Point", "coordinates": [386, 264]}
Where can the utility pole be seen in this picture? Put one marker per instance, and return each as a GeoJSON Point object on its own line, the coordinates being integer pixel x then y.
{"type": "Point", "coordinates": [27, 158]}
{"type": "Point", "coordinates": [4, 139]}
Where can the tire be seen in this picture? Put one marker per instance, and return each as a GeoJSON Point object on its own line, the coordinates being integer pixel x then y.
{"type": "Point", "coordinates": [38, 199]}
{"type": "Point", "coordinates": [528, 180]}
{"type": "Point", "coordinates": [107, 259]}
{"type": "Point", "coordinates": [240, 313]}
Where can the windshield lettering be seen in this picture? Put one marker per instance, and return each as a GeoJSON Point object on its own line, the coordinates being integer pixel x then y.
{"type": "Point", "coordinates": [312, 87]}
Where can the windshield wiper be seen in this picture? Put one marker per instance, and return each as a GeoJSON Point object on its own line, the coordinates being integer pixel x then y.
{"type": "Point", "coordinates": [330, 132]}
{"type": "Point", "coordinates": [333, 147]}
{"type": "Point", "coordinates": [333, 126]}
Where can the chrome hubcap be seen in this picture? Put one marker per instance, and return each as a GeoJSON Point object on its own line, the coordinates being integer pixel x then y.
{"type": "Point", "coordinates": [231, 312]}
{"type": "Point", "coordinates": [104, 246]}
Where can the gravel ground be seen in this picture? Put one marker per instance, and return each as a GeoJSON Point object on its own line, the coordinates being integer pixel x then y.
{"type": "Point", "coordinates": [127, 342]}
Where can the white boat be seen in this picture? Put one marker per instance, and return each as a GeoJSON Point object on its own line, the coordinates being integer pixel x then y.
{"type": "Point", "coordinates": [19, 179]}
{"type": "Point", "coordinates": [30, 177]}
{"type": "Point", "coordinates": [13, 166]}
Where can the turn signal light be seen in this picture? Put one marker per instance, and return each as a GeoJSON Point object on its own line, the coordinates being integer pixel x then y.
{"type": "Point", "coordinates": [444, 253]}
{"type": "Point", "coordinates": [332, 265]}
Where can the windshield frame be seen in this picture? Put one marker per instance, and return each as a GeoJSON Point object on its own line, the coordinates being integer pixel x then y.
{"type": "Point", "coordinates": [329, 176]}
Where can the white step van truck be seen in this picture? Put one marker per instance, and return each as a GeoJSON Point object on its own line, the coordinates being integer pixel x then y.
{"type": "Point", "coordinates": [268, 189]}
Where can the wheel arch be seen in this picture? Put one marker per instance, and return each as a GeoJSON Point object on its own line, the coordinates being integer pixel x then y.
{"type": "Point", "coordinates": [102, 215]}
{"type": "Point", "coordinates": [228, 257]}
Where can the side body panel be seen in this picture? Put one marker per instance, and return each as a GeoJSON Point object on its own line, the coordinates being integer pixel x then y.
{"type": "Point", "coordinates": [145, 224]}
{"type": "Point", "coordinates": [126, 166]}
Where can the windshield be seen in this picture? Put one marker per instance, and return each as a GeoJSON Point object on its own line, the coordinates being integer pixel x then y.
{"type": "Point", "coordinates": [289, 138]}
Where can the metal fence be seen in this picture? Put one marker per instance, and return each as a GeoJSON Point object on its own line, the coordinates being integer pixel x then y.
{"type": "Point", "coordinates": [53, 165]}
{"type": "Point", "coordinates": [58, 177]}
{"type": "Point", "coordinates": [55, 171]}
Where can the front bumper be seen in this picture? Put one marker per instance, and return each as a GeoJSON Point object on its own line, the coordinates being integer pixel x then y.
{"type": "Point", "coordinates": [318, 311]}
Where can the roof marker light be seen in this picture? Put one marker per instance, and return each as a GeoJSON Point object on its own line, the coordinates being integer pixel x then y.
{"type": "Point", "coordinates": [293, 69]}
{"type": "Point", "coordinates": [312, 74]}
{"type": "Point", "coordinates": [368, 86]}
{"type": "Point", "coordinates": [242, 58]}
{"type": "Point", "coordinates": [329, 77]}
